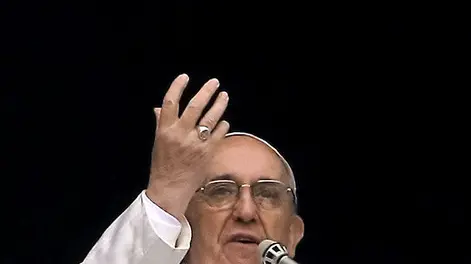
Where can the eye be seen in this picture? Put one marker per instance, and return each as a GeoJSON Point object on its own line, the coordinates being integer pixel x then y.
{"type": "Point", "coordinates": [220, 189]}
{"type": "Point", "coordinates": [267, 191]}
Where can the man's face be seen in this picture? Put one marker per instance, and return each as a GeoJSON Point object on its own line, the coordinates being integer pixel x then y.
{"type": "Point", "coordinates": [216, 231]}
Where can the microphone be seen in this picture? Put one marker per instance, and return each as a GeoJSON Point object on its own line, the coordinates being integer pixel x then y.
{"type": "Point", "coordinates": [272, 252]}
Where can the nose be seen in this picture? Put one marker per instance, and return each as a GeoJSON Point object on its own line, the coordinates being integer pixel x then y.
{"type": "Point", "coordinates": [245, 209]}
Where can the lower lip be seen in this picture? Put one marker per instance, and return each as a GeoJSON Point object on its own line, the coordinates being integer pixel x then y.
{"type": "Point", "coordinates": [246, 246]}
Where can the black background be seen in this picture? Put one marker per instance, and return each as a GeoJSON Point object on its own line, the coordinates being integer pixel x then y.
{"type": "Point", "coordinates": [80, 79]}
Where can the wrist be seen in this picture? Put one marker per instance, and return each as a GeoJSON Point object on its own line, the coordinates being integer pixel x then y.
{"type": "Point", "coordinates": [173, 201]}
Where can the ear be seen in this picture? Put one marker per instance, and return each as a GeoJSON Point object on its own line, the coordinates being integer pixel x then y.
{"type": "Point", "coordinates": [296, 233]}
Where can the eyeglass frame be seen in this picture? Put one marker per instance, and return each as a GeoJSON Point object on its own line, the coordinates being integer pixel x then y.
{"type": "Point", "coordinates": [288, 188]}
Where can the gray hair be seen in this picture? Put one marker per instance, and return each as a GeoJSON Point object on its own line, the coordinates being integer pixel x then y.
{"type": "Point", "coordinates": [285, 163]}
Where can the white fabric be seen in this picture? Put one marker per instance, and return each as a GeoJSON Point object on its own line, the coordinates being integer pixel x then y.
{"type": "Point", "coordinates": [165, 225]}
{"type": "Point", "coordinates": [142, 234]}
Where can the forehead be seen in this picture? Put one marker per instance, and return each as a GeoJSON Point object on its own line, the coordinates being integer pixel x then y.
{"type": "Point", "coordinates": [244, 159]}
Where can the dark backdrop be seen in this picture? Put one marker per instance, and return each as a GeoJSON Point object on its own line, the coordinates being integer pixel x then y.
{"type": "Point", "coordinates": [81, 79]}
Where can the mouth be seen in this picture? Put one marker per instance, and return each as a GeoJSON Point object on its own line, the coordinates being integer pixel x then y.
{"type": "Point", "coordinates": [247, 239]}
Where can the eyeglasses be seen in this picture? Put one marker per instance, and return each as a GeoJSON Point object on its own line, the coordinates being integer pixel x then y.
{"type": "Point", "coordinates": [267, 194]}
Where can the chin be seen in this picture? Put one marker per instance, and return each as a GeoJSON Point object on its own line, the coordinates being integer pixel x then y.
{"type": "Point", "coordinates": [235, 259]}
{"type": "Point", "coordinates": [241, 254]}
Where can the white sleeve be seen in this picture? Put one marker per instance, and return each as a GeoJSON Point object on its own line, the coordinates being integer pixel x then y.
{"type": "Point", "coordinates": [142, 235]}
{"type": "Point", "coordinates": [166, 226]}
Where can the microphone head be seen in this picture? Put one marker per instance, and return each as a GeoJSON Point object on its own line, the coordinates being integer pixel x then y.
{"type": "Point", "coordinates": [271, 251]}
{"type": "Point", "coordinates": [263, 246]}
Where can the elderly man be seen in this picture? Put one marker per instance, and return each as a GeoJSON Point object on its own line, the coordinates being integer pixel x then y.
{"type": "Point", "coordinates": [212, 197]}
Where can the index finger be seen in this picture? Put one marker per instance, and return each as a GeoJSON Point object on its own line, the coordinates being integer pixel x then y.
{"type": "Point", "coordinates": [171, 101]}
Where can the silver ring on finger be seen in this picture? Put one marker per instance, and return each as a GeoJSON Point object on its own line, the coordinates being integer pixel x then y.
{"type": "Point", "coordinates": [203, 132]}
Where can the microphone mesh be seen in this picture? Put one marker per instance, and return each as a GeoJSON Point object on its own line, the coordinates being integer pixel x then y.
{"type": "Point", "coordinates": [271, 252]}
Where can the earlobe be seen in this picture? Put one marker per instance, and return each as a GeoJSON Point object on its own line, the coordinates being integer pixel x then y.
{"type": "Point", "coordinates": [296, 233]}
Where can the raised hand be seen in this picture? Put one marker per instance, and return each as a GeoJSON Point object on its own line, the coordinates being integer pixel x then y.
{"type": "Point", "coordinates": [179, 152]}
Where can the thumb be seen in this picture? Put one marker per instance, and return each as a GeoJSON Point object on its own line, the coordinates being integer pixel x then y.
{"type": "Point", "coordinates": [157, 115]}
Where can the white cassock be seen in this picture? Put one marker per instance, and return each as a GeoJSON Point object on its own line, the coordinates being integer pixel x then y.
{"type": "Point", "coordinates": [142, 234]}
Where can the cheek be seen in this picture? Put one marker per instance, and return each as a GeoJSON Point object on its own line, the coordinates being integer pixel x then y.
{"type": "Point", "coordinates": [276, 226]}
{"type": "Point", "coordinates": [206, 225]}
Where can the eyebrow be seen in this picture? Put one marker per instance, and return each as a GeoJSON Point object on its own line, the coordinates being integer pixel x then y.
{"type": "Point", "coordinates": [225, 176]}
{"type": "Point", "coordinates": [229, 176]}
